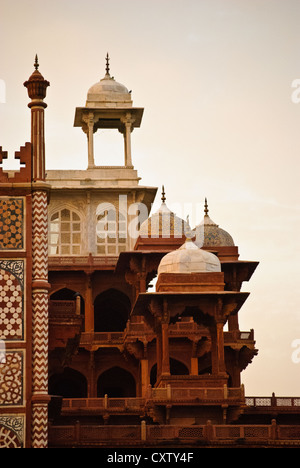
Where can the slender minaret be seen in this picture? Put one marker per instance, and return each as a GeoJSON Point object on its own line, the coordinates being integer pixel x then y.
{"type": "Point", "coordinates": [36, 86]}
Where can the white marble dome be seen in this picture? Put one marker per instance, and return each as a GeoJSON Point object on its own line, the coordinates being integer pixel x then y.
{"type": "Point", "coordinates": [107, 85]}
{"type": "Point", "coordinates": [189, 259]}
{"type": "Point", "coordinates": [108, 93]}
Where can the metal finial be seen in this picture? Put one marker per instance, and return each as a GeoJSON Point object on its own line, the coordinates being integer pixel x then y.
{"type": "Point", "coordinates": [206, 207]}
{"type": "Point", "coordinates": [163, 198]}
{"type": "Point", "coordinates": [36, 62]}
{"type": "Point", "coordinates": [107, 64]}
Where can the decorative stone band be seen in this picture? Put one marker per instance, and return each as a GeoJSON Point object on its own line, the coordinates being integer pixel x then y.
{"type": "Point", "coordinates": [37, 138]}
{"type": "Point", "coordinates": [40, 288]}
{"type": "Point", "coordinates": [40, 236]}
{"type": "Point", "coordinates": [40, 424]}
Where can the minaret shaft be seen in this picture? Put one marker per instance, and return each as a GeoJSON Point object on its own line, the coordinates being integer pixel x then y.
{"type": "Point", "coordinates": [36, 86]}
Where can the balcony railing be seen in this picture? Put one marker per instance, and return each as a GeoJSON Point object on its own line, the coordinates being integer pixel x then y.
{"type": "Point", "coordinates": [114, 404]}
{"type": "Point", "coordinates": [174, 395]}
{"type": "Point", "coordinates": [197, 394]}
{"type": "Point", "coordinates": [102, 338]}
{"type": "Point", "coordinates": [273, 401]}
{"type": "Point", "coordinates": [167, 395]}
{"type": "Point", "coordinates": [62, 307]}
{"type": "Point", "coordinates": [137, 330]}
{"type": "Point", "coordinates": [82, 435]}
{"type": "Point", "coordinates": [237, 335]}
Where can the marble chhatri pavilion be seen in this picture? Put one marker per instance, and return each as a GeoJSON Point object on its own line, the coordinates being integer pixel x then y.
{"type": "Point", "coordinates": [93, 352]}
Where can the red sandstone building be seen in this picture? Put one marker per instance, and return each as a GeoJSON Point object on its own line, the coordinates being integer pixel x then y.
{"type": "Point", "coordinates": [120, 327]}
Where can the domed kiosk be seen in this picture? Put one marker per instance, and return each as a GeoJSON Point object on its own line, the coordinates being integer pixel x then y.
{"type": "Point", "coordinates": [189, 259]}
{"type": "Point", "coordinates": [108, 106]}
{"type": "Point", "coordinates": [189, 268]}
{"type": "Point", "coordinates": [163, 230]}
{"type": "Point", "coordinates": [209, 236]}
{"type": "Point", "coordinates": [108, 93]}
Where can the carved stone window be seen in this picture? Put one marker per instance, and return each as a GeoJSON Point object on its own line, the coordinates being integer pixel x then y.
{"type": "Point", "coordinates": [111, 229]}
{"type": "Point", "coordinates": [65, 233]}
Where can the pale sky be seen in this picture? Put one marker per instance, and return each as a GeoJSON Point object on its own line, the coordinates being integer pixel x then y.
{"type": "Point", "coordinates": [221, 121]}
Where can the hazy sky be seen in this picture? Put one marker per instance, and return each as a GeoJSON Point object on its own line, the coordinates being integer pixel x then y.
{"type": "Point", "coordinates": [218, 81]}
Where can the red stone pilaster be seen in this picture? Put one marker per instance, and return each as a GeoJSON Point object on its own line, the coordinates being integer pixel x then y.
{"type": "Point", "coordinates": [36, 86]}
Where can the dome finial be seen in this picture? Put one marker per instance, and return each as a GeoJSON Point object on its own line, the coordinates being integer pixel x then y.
{"type": "Point", "coordinates": [188, 231]}
{"type": "Point", "coordinates": [163, 198]}
{"type": "Point", "coordinates": [206, 207]}
{"type": "Point", "coordinates": [107, 64]}
{"type": "Point", "coordinates": [36, 62]}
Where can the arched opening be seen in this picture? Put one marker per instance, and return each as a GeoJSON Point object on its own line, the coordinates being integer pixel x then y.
{"type": "Point", "coordinates": [68, 384]}
{"type": "Point", "coordinates": [66, 294]}
{"type": "Point", "coordinates": [111, 310]}
{"type": "Point", "coordinates": [176, 368]}
{"type": "Point", "coordinates": [116, 383]}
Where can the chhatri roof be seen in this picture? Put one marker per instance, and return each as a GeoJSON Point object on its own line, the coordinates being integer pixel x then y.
{"type": "Point", "coordinates": [108, 92]}
{"type": "Point", "coordinates": [189, 259]}
{"type": "Point", "coordinates": [209, 234]}
{"type": "Point", "coordinates": [163, 223]}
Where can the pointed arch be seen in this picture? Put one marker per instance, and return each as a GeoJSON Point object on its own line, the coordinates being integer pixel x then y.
{"type": "Point", "coordinates": [66, 294]}
{"type": "Point", "coordinates": [69, 384]}
{"type": "Point", "coordinates": [176, 368]}
{"type": "Point", "coordinates": [111, 311]}
{"type": "Point", "coordinates": [116, 382]}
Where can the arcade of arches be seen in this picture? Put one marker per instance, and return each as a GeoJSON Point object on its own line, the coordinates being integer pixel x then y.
{"type": "Point", "coordinates": [113, 372]}
{"type": "Point", "coordinates": [116, 382]}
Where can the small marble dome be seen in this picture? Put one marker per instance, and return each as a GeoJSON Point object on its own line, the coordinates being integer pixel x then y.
{"type": "Point", "coordinates": [189, 259]}
{"type": "Point", "coordinates": [209, 234]}
{"type": "Point", "coordinates": [163, 223]}
{"type": "Point", "coordinates": [108, 93]}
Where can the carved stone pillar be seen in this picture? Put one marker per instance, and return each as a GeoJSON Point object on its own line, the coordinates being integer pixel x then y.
{"type": "Point", "coordinates": [89, 130]}
{"type": "Point", "coordinates": [158, 352]}
{"type": "Point", "coordinates": [144, 376]}
{"type": "Point", "coordinates": [194, 360]}
{"type": "Point", "coordinates": [92, 391]}
{"type": "Point", "coordinates": [160, 310]}
{"type": "Point", "coordinates": [128, 121]}
{"type": "Point", "coordinates": [165, 358]}
{"type": "Point", "coordinates": [89, 306]}
{"type": "Point", "coordinates": [220, 347]}
{"type": "Point", "coordinates": [217, 348]}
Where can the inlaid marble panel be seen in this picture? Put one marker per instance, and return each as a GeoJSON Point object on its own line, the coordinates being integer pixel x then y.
{"type": "Point", "coordinates": [11, 223]}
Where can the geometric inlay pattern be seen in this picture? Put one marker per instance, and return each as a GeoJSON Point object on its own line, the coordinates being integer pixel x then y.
{"type": "Point", "coordinates": [11, 300]}
{"type": "Point", "coordinates": [40, 319]}
{"type": "Point", "coordinates": [11, 223]}
{"type": "Point", "coordinates": [11, 378]}
{"type": "Point", "coordinates": [12, 431]}
{"type": "Point", "coordinates": [39, 425]}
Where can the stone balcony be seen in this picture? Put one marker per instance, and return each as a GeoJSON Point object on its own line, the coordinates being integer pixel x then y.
{"type": "Point", "coordinates": [156, 437]}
